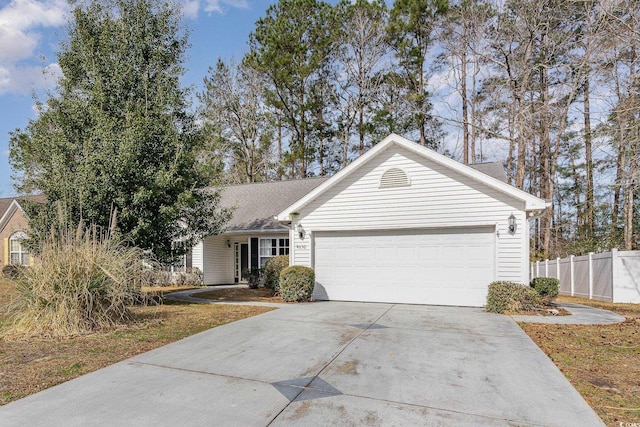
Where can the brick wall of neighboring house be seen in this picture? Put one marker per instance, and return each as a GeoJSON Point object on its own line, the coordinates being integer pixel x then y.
{"type": "Point", "coordinates": [17, 222]}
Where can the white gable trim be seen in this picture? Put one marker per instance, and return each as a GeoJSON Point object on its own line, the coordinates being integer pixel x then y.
{"type": "Point", "coordinates": [11, 210]}
{"type": "Point", "coordinates": [532, 203]}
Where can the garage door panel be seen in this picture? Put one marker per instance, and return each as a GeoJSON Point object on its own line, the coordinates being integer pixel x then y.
{"type": "Point", "coordinates": [448, 267]}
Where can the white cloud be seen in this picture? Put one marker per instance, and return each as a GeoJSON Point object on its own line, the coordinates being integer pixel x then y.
{"type": "Point", "coordinates": [190, 8]}
{"type": "Point", "coordinates": [22, 26]}
{"type": "Point", "coordinates": [218, 6]}
{"type": "Point", "coordinates": [23, 79]}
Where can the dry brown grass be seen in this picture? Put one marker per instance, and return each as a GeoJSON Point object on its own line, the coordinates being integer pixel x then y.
{"type": "Point", "coordinates": [28, 366]}
{"type": "Point", "coordinates": [241, 294]}
{"type": "Point", "coordinates": [601, 361]}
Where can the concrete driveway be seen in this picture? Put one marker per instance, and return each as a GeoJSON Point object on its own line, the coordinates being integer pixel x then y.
{"type": "Point", "coordinates": [326, 363]}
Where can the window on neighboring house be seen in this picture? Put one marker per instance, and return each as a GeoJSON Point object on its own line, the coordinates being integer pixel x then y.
{"type": "Point", "coordinates": [18, 255]}
{"type": "Point", "coordinates": [269, 248]}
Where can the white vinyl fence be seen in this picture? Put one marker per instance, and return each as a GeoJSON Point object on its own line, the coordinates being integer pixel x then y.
{"type": "Point", "coordinates": [611, 276]}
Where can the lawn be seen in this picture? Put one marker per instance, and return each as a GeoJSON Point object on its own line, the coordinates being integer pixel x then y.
{"type": "Point", "coordinates": [601, 361]}
{"type": "Point", "coordinates": [27, 367]}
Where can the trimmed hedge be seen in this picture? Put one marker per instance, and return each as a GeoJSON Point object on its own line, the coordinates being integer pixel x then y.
{"type": "Point", "coordinates": [513, 297]}
{"type": "Point", "coordinates": [297, 283]}
{"type": "Point", "coordinates": [272, 270]}
{"type": "Point", "coordinates": [547, 287]}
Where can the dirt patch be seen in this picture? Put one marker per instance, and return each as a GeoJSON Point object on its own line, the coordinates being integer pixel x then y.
{"type": "Point", "coordinates": [349, 367]}
{"type": "Point", "coordinates": [301, 410]}
{"type": "Point", "coordinates": [241, 294]}
{"type": "Point", "coordinates": [29, 366]}
{"type": "Point", "coordinates": [601, 361]}
{"type": "Point", "coordinates": [546, 312]}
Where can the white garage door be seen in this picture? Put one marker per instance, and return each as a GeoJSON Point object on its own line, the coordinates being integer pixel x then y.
{"type": "Point", "coordinates": [443, 267]}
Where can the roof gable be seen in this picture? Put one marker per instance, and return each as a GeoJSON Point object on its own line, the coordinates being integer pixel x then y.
{"type": "Point", "coordinates": [9, 206]}
{"type": "Point", "coordinates": [531, 202]}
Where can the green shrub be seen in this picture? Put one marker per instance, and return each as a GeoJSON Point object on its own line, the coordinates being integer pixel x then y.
{"type": "Point", "coordinates": [80, 281]}
{"type": "Point", "coordinates": [12, 271]}
{"type": "Point", "coordinates": [512, 297]}
{"type": "Point", "coordinates": [547, 287]}
{"type": "Point", "coordinates": [253, 277]}
{"type": "Point", "coordinates": [297, 283]}
{"type": "Point", "coordinates": [272, 270]}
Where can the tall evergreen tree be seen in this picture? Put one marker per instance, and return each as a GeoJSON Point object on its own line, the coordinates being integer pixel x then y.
{"type": "Point", "coordinates": [410, 31]}
{"type": "Point", "coordinates": [291, 47]}
{"type": "Point", "coordinates": [117, 135]}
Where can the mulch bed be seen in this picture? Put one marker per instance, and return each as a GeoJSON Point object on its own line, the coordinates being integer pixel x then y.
{"type": "Point", "coordinates": [241, 294]}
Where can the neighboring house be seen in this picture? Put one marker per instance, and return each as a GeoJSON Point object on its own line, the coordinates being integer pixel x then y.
{"type": "Point", "coordinates": [14, 228]}
{"type": "Point", "coordinates": [400, 224]}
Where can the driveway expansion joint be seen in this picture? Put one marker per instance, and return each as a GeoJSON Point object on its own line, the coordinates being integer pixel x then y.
{"type": "Point", "coordinates": [194, 371]}
{"type": "Point", "coordinates": [330, 362]}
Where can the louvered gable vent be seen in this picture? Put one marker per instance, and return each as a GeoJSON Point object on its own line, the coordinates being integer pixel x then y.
{"type": "Point", "coordinates": [394, 177]}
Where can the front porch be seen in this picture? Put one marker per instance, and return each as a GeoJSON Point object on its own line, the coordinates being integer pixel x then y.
{"type": "Point", "coordinates": [224, 258]}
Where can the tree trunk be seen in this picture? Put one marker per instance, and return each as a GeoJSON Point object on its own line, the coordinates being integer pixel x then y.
{"type": "Point", "coordinates": [589, 220]}
{"type": "Point", "coordinates": [280, 159]}
{"type": "Point", "coordinates": [465, 102]}
{"type": "Point", "coordinates": [423, 137]}
{"type": "Point", "coordinates": [546, 184]}
{"type": "Point", "coordinates": [628, 216]}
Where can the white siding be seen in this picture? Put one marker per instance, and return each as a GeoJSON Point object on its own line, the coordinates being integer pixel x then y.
{"type": "Point", "coordinates": [196, 254]}
{"type": "Point", "coordinates": [217, 260]}
{"type": "Point", "coordinates": [437, 198]}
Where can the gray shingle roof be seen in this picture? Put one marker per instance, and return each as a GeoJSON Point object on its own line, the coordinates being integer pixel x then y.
{"type": "Point", "coordinates": [256, 204]}
{"type": "Point", "coordinates": [5, 202]}
{"type": "Point", "coordinates": [493, 169]}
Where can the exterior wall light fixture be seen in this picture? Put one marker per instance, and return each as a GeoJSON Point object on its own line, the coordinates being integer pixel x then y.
{"type": "Point", "coordinates": [300, 230]}
{"type": "Point", "coordinates": [512, 224]}
{"type": "Point", "coordinates": [228, 243]}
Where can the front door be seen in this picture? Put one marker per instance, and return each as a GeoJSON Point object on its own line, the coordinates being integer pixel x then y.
{"type": "Point", "coordinates": [241, 260]}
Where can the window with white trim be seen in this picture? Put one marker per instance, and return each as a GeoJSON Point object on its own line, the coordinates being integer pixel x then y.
{"type": "Point", "coordinates": [18, 254]}
{"type": "Point", "coordinates": [269, 248]}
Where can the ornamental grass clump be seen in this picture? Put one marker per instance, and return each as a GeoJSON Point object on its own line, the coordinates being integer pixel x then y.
{"type": "Point", "coordinates": [79, 282]}
{"type": "Point", "coordinates": [297, 283]}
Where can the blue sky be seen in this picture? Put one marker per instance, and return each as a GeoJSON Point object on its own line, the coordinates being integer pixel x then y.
{"type": "Point", "coordinates": [30, 32]}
